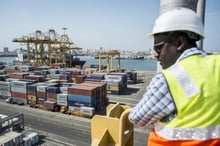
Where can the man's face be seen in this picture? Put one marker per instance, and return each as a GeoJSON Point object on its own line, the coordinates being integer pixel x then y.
{"type": "Point", "coordinates": [166, 50]}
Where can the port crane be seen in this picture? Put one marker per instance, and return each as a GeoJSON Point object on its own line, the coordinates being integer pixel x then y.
{"type": "Point", "coordinates": [108, 57]}
{"type": "Point", "coordinates": [48, 48]}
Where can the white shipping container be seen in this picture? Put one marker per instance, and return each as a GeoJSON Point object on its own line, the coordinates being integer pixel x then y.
{"type": "Point", "coordinates": [89, 111]}
{"type": "Point", "coordinates": [54, 76]}
{"type": "Point", "coordinates": [62, 99]}
{"type": "Point", "coordinates": [5, 88]}
{"type": "Point", "coordinates": [10, 79]}
{"type": "Point", "coordinates": [57, 76]}
{"type": "Point", "coordinates": [42, 88]}
{"type": "Point", "coordinates": [17, 138]}
{"type": "Point", "coordinates": [5, 93]}
{"type": "Point", "coordinates": [113, 77]}
{"type": "Point", "coordinates": [64, 90]}
{"type": "Point", "coordinates": [31, 135]}
{"type": "Point", "coordinates": [25, 68]}
{"type": "Point", "coordinates": [74, 108]}
{"type": "Point", "coordinates": [20, 100]}
{"type": "Point", "coordinates": [113, 83]}
{"type": "Point", "coordinates": [11, 138]}
{"type": "Point", "coordinates": [19, 86]}
{"type": "Point", "coordinates": [67, 84]}
{"type": "Point", "coordinates": [34, 138]}
{"type": "Point", "coordinates": [27, 141]}
{"type": "Point", "coordinates": [52, 71]}
{"type": "Point", "coordinates": [19, 89]}
{"type": "Point", "coordinates": [4, 84]}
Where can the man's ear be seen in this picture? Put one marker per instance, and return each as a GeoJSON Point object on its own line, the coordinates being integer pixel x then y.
{"type": "Point", "coordinates": [181, 41]}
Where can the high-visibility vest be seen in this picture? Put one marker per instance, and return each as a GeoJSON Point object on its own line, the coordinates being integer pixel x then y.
{"type": "Point", "coordinates": [194, 83]}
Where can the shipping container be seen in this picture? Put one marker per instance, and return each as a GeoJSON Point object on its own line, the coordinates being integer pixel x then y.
{"type": "Point", "coordinates": [25, 68]}
{"type": "Point", "coordinates": [87, 111]}
{"type": "Point", "coordinates": [50, 105]}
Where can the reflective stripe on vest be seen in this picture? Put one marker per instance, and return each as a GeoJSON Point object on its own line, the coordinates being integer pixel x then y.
{"type": "Point", "coordinates": [184, 80]}
{"type": "Point", "coordinates": [188, 133]}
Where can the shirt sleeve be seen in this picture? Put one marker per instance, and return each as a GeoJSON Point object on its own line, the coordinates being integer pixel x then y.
{"type": "Point", "coordinates": [155, 104]}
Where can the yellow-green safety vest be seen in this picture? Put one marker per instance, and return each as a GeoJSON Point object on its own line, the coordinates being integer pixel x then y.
{"type": "Point", "coordinates": [194, 84]}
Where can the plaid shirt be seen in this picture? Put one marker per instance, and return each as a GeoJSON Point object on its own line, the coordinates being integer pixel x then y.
{"type": "Point", "coordinates": [157, 102]}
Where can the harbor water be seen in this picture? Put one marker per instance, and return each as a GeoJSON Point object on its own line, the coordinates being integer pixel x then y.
{"type": "Point", "coordinates": [145, 65]}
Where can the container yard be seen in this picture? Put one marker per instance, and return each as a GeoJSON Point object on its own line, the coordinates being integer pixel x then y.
{"type": "Point", "coordinates": [70, 91]}
{"type": "Point", "coordinates": [80, 92]}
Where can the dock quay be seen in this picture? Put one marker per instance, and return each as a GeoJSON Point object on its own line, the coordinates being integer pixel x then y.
{"type": "Point", "coordinates": [53, 126]}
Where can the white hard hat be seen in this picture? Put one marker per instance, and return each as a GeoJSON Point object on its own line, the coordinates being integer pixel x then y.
{"type": "Point", "coordinates": [179, 19]}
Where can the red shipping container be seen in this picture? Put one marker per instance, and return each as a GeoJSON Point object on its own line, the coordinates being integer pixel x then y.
{"type": "Point", "coordinates": [82, 90]}
{"type": "Point", "coordinates": [19, 95]}
{"type": "Point", "coordinates": [40, 68]}
{"type": "Point", "coordinates": [51, 95]}
{"type": "Point", "coordinates": [18, 75]}
{"type": "Point", "coordinates": [10, 71]}
{"type": "Point", "coordinates": [41, 94]}
{"type": "Point", "coordinates": [50, 105]}
{"type": "Point", "coordinates": [38, 78]}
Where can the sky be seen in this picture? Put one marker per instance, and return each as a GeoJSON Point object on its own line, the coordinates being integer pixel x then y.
{"type": "Point", "coordinates": [91, 24]}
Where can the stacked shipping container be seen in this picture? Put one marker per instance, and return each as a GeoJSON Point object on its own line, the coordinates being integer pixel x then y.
{"type": "Point", "coordinates": [87, 95]}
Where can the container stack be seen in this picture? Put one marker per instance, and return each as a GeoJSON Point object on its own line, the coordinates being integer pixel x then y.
{"type": "Point", "coordinates": [37, 78]}
{"type": "Point", "coordinates": [5, 89]}
{"type": "Point", "coordinates": [41, 93]}
{"type": "Point", "coordinates": [47, 87]}
{"type": "Point", "coordinates": [132, 77]}
{"type": "Point", "coordinates": [64, 87]}
{"type": "Point", "coordinates": [11, 138]}
{"type": "Point", "coordinates": [101, 96]}
{"type": "Point", "coordinates": [95, 77]}
{"type": "Point", "coordinates": [30, 138]}
{"type": "Point", "coordinates": [51, 102]}
{"type": "Point", "coordinates": [116, 82]}
{"type": "Point", "coordinates": [19, 91]}
{"type": "Point", "coordinates": [25, 68]}
{"type": "Point", "coordinates": [81, 96]}
{"type": "Point", "coordinates": [32, 94]}
{"type": "Point", "coordinates": [62, 100]}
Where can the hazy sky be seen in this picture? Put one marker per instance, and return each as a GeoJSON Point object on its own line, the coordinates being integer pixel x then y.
{"type": "Point", "coordinates": [111, 24]}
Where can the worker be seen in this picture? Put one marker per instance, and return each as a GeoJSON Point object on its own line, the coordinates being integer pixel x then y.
{"type": "Point", "coordinates": [181, 102]}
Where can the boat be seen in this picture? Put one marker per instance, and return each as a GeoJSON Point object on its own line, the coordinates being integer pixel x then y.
{"type": "Point", "coordinates": [75, 61]}
{"type": "Point", "coordinates": [97, 57]}
{"type": "Point", "coordinates": [131, 57]}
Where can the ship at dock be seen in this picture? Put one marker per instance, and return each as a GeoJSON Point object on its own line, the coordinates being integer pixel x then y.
{"type": "Point", "coordinates": [48, 48]}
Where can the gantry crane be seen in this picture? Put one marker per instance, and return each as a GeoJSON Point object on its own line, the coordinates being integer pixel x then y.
{"type": "Point", "coordinates": [109, 57]}
{"type": "Point", "coordinates": [48, 48]}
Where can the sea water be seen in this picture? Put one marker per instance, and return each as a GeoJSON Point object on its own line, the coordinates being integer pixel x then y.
{"type": "Point", "coordinates": [146, 64]}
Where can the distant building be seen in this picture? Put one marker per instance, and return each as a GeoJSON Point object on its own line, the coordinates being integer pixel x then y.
{"type": "Point", "coordinates": [7, 53]}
